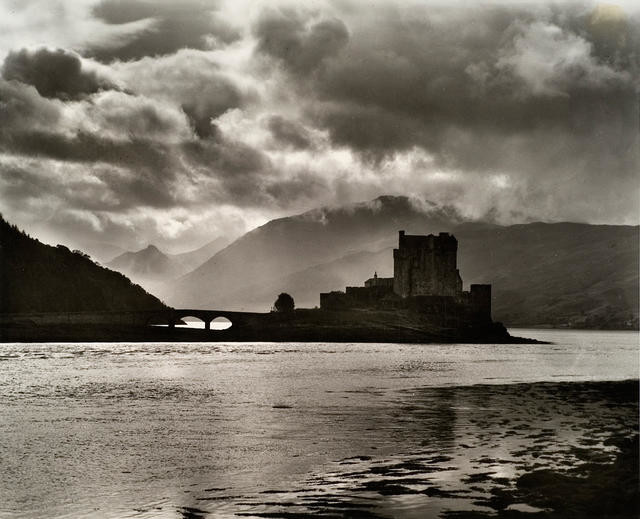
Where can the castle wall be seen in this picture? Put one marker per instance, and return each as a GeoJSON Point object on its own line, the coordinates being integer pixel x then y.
{"type": "Point", "coordinates": [355, 297]}
{"type": "Point", "coordinates": [379, 282]}
{"type": "Point", "coordinates": [481, 300]}
{"type": "Point", "coordinates": [334, 301]}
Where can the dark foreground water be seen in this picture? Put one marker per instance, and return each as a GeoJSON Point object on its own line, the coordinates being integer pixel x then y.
{"type": "Point", "coordinates": [291, 430]}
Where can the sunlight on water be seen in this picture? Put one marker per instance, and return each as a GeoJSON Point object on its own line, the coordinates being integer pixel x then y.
{"type": "Point", "coordinates": [170, 430]}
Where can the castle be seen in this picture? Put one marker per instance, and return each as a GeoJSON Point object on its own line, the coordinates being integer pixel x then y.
{"type": "Point", "coordinates": [425, 278]}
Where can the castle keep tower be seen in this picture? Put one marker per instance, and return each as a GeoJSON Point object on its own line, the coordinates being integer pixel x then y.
{"type": "Point", "coordinates": [426, 266]}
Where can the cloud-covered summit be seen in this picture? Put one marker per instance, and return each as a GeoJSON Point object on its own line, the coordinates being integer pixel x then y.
{"type": "Point", "coordinates": [143, 121]}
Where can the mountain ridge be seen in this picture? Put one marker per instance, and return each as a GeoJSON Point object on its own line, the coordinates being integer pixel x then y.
{"type": "Point", "coordinates": [150, 264]}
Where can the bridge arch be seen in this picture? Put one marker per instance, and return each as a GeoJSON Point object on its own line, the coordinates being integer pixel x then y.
{"type": "Point", "coordinates": [193, 321]}
{"type": "Point", "coordinates": [221, 322]}
{"type": "Point", "coordinates": [207, 316]}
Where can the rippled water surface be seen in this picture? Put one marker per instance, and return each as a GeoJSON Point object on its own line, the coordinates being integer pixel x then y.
{"type": "Point", "coordinates": [261, 429]}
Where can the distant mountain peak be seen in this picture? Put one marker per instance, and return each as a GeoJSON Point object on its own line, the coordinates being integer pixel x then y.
{"type": "Point", "coordinates": [151, 264]}
{"type": "Point", "coordinates": [151, 249]}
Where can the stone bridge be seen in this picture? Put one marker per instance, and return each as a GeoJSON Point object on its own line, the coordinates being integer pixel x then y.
{"type": "Point", "coordinates": [173, 316]}
{"type": "Point", "coordinates": [168, 316]}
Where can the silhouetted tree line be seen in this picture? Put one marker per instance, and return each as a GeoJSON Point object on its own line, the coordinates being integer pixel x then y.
{"type": "Point", "coordinates": [35, 277]}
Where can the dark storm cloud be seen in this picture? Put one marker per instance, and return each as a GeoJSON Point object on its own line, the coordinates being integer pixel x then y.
{"type": "Point", "coordinates": [246, 176]}
{"type": "Point", "coordinates": [191, 80]}
{"type": "Point", "coordinates": [23, 109]}
{"type": "Point", "coordinates": [108, 128]}
{"type": "Point", "coordinates": [141, 155]}
{"type": "Point", "coordinates": [142, 152]}
{"type": "Point", "coordinates": [123, 136]}
{"type": "Point", "coordinates": [88, 148]}
{"type": "Point", "coordinates": [213, 100]}
{"type": "Point", "coordinates": [91, 192]}
{"type": "Point", "coordinates": [144, 179]}
{"type": "Point", "coordinates": [370, 130]}
{"type": "Point", "coordinates": [486, 95]}
{"type": "Point", "coordinates": [54, 73]}
{"type": "Point", "coordinates": [300, 44]}
{"type": "Point", "coordinates": [174, 25]}
{"type": "Point", "coordinates": [289, 133]}
{"type": "Point", "coordinates": [236, 170]}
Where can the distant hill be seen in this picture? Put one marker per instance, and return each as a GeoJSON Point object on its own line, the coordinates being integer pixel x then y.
{"type": "Point", "coordinates": [151, 264]}
{"type": "Point", "coordinates": [148, 263]}
{"type": "Point", "coordinates": [542, 274]}
{"type": "Point", "coordinates": [35, 277]}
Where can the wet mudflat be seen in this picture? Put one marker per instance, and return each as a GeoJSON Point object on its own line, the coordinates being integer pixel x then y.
{"type": "Point", "coordinates": [543, 449]}
{"type": "Point", "coordinates": [321, 430]}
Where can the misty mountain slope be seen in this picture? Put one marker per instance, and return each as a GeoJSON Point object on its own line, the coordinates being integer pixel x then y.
{"type": "Point", "coordinates": [554, 273]}
{"type": "Point", "coordinates": [100, 251]}
{"type": "Point", "coordinates": [287, 245]}
{"type": "Point", "coordinates": [148, 263]}
{"type": "Point", "coordinates": [193, 259]}
{"type": "Point", "coordinates": [305, 285]}
{"type": "Point", "coordinates": [541, 273]}
{"type": "Point", "coordinates": [151, 264]}
{"type": "Point", "coordinates": [35, 277]}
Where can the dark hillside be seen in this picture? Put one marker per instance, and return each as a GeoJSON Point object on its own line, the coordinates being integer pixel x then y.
{"type": "Point", "coordinates": [35, 277]}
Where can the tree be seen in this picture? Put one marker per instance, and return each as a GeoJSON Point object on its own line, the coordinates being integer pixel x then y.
{"type": "Point", "coordinates": [284, 303]}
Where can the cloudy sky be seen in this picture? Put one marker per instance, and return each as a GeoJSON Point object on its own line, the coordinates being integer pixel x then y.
{"type": "Point", "coordinates": [173, 122]}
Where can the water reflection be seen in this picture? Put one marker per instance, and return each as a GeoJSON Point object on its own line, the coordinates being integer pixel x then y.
{"type": "Point", "coordinates": [191, 430]}
{"type": "Point", "coordinates": [474, 443]}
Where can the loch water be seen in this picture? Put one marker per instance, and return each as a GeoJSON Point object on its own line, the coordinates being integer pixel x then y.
{"type": "Point", "coordinates": [266, 430]}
